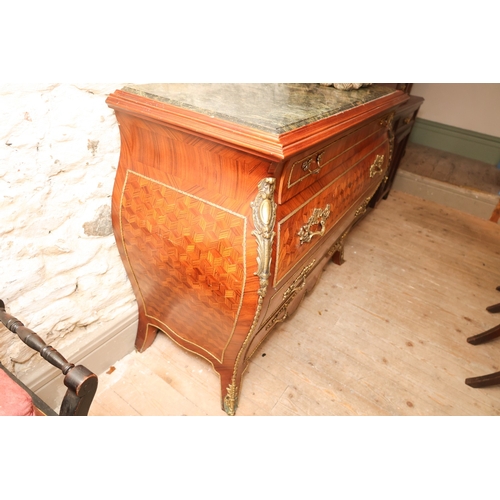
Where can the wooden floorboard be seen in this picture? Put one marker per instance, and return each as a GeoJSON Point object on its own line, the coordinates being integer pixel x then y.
{"type": "Point", "coordinates": [383, 334]}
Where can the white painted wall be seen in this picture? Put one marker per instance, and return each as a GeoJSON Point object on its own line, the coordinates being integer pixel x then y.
{"type": "Point", "coordinates": [471, 106]}
{"type": "Point", "coordinates": [60, 271]}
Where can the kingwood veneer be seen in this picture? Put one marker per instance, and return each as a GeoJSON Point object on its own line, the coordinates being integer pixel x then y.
{"type": "Point", "coordinates": [230, 199]}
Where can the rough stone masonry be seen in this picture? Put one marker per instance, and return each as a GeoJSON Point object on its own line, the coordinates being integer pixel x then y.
{"type": "Point", "coordinates": [61, 273]}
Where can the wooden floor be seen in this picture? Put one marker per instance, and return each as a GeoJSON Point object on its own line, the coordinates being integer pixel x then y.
{"type": "Point", "coordinates": [383, 334]}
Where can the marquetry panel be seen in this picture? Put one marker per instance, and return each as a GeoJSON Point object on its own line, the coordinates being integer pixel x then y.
{"type": "Point", "coordinates": [188, 260]}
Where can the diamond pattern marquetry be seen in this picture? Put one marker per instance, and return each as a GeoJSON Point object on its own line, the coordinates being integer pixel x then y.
{"type": "Point", "coordinates": [188, 259]}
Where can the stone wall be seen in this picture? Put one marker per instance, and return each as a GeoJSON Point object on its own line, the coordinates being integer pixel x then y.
{"type": "Point", "coordinates": [60, 269]}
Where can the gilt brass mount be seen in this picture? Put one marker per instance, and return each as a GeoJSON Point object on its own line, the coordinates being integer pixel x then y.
{"type": "Point", "coordinates": [362, 209]}
{"type": "Point", "coordinates": [387, 120]}
{"type": "Point", "coordinates": [264, 217]}
{"type": "Point", "coordinates": [376, 167]}
{"type": "Point", "coordinates": [306, 165]}
{"type": "Point", "coordinates": [298, 284]}
{"type": "Point", "coordinates": [318, 217]}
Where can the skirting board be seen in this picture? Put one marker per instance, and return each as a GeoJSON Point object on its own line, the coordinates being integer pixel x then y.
{"type": "Point", "coordinates": [482, 147]}
{"type": "Point", "coordinates": [466, 200]}
{"type": "Point", "coordinates": [116, 341]}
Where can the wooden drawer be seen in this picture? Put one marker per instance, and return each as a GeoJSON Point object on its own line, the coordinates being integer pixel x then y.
{"type": "Point", "coordinates": [305, 169]}
{"type": "Point", "coordinates": [405, 119]}
{"type": "Point", "coordinates": [306, 221]}
{"type": "Point", "coordinates": [284, 302]}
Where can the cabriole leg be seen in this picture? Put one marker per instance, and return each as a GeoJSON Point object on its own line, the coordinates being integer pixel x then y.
{"type": "Point", "coordinates": [146, 333]}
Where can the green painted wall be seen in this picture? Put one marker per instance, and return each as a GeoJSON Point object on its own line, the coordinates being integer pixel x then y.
{"type": "Point", "coordinates": [455, 140]}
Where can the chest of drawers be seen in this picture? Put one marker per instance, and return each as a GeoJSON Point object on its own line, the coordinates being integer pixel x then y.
{"type": "Point", "coordinates": [229, 200]}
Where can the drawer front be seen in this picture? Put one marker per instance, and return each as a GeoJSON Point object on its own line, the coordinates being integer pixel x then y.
{"type": "Point", "coordinates": [404, 119]}
{"type": "Point", "coordinates": [284, 302]}
{"type": "Point", "coordinates": [305, 169]}
{"type": "Point", "coordinates": [306, 225]}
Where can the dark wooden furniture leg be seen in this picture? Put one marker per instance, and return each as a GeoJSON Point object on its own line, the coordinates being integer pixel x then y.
{"type": "Point", "coordinates": [481, 338]}
{"type": "Point", "coordinates": [486, 336]}
{"type": "Point", "coordinates": [492, 378]}
{"type": "Point", "coordinates": [484, 380]}
{"type": "Point", "coordinates": [81, 382]}
{"type": "Point", "coordinates": [494, 308]}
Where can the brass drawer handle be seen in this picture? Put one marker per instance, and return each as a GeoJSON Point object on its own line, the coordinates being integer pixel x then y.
{"type": "Point", "coordinates": [318, 217]}
{"type": "Point", "coordinates": [318, 158]}
{"type": "Point", "coordinates": [362, 209]}
{"type": "Point", "coordinates": [300, 282]}
{"type": "Point", "coordinates": [407, 120]}
{"type": "Point", "coordinates": [376, 168]}
{"type": "Point", "coordinates": [306, 165]}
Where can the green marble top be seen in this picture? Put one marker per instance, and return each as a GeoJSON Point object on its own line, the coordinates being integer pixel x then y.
{"type": "Point", "coordinates": [270, 107]}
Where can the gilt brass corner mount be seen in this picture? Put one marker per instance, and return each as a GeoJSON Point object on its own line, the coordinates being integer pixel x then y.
{"type": "Point", "coordinates": [264, 218]}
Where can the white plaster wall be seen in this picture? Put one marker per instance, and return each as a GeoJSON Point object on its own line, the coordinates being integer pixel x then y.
{"type": "Point", "coordinates": [471, 106]}
{"type": "Point", "coordinates": [60, 271]}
